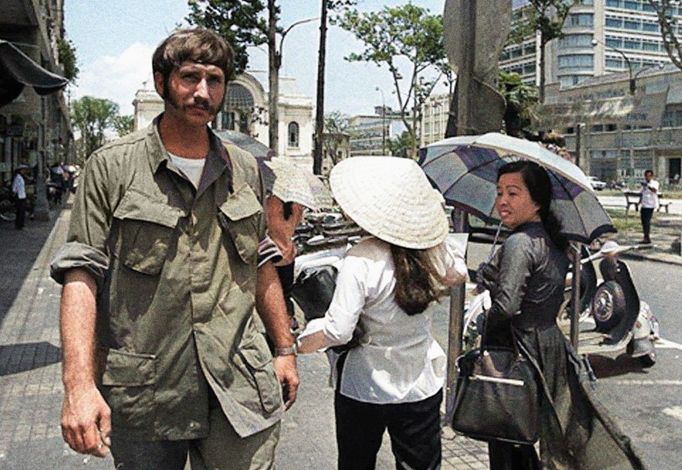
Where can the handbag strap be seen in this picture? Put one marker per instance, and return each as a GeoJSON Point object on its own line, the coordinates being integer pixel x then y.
{"type": "Point", "coordinates": [545, 388]}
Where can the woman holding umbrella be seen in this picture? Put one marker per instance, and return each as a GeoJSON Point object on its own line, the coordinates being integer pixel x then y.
{"type": "Point", "coordinates": [393, 378]}
{"type": "Point", "coordinates": [526, 281]}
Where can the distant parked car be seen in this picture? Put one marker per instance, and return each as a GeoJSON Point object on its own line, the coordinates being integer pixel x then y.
{"type": "Point", "coordinates": [597, 184]}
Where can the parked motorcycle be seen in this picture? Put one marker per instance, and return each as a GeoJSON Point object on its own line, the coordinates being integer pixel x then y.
{"type": "Point", "coordinates": [7, 207]}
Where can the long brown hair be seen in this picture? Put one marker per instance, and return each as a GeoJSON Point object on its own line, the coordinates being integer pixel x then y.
{"type": "Point", "coordinates": [417, 282]}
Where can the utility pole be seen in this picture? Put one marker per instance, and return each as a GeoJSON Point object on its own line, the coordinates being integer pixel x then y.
{"type": "Point", "coordinates": [274, 62]}
{"type": "Point", "coordinates": [319, 108]}
{"type": "Point", "coordinates": [383, 121]}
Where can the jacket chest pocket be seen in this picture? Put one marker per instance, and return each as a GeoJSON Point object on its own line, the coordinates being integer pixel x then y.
{"type": "Point", "coordinates": [240, 217]}
{"type": "Point", "coordinates": [146, 229]}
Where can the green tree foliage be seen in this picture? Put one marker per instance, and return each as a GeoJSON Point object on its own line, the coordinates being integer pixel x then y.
{"type": "Point", "coordinates": [240, 22]}
{"type": "Point", "coordinates": [546, 17]}
{"type": "Point", "coordinates": [67, 57]}
{"type": "Point", "coordinates": [335, 128]}
{"type": "Point", "coordinates": [669, 29]}
{"type": "Point", "coordinates": [92, 117]}
{"type": "Point", "coordinates": [403, 145]}
{"type": "Point", "coordinates": [520, 100]}
{"type": "Point", "coordinates": [406, 33]}
{"type": "Point", "coordinates": [123, 124]}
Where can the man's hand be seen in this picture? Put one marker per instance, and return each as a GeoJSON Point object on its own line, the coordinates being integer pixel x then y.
{"type": "Point", "coordinates": [280, 229]}
{"type": "Point", "coordinates": [285, 368]}
{"type": "Point", "coordinates": [86, 421]}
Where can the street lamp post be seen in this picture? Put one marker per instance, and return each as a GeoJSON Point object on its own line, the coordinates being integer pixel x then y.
{"type": "Point", "coordinates": [383, 121]}
{"type": "Point", "coordinates": [627, 61]}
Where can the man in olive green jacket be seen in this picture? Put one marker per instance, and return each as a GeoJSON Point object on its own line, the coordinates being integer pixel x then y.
{"type": "Point", "coordinates": [163, 356]}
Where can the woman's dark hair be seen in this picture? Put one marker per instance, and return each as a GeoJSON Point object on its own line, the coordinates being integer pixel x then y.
{"type": "Point", "coordinates": [417, 282]}
{"type": "Point", "coordinates": [539, 186]}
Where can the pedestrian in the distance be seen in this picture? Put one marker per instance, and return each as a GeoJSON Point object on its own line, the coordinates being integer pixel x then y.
{"type": "Point", "coordinates": [393, 378]}
{"type": "Point", "coordinates": [648, 203]}
{"type": "Point", "coordinates": [19, 191]}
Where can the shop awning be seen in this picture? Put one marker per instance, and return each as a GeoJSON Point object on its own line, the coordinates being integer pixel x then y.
{"type": "Point", "coordinates": [18, 70]}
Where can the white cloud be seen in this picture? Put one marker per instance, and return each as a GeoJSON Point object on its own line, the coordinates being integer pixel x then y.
{"type": "Point", "coordinates": [117, 78]}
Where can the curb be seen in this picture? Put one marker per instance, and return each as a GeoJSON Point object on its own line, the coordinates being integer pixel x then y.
{"type": "Point", "coordinates": [665, 258]}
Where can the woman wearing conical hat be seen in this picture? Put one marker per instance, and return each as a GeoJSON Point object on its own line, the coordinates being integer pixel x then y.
{"type": "Point", "coordinates": [392, 380]}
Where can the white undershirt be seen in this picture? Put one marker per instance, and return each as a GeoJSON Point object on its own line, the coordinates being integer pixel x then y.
{"type": "Point", "coordinates": [190, 167]}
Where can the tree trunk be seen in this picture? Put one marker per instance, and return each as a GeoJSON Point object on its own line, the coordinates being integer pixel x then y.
{"type": "Point", "coordinates": [319, 108]}
{"type": "Point", "coordinates": [274, 60]}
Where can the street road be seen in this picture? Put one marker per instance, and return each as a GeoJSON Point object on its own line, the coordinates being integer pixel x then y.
{"type": "Point", "coordinates": [647, 403]}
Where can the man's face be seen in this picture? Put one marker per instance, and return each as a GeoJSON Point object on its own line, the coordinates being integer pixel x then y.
{"type": "Point", "coordinates": [649, 175]}
{"type": "Point", "coordinates": [195, 92]}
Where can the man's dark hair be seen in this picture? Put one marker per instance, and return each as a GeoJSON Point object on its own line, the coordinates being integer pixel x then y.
{"type": "Point", "coordinates": [648, 172]}
{"type": "Point", "coordinates": [196, 45]}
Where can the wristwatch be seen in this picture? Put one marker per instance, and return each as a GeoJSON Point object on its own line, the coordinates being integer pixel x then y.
{"type": "Point", "coordinates": [290, 351]}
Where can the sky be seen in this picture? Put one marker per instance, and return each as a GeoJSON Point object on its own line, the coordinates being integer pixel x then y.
{"type": "Point", "coordinates": [115, 39]}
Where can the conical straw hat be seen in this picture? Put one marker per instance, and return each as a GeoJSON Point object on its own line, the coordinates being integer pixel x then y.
{"type": "Point", "coordinates": [293, 184]}
{"type": "Point", "coordinates": [391, 199]}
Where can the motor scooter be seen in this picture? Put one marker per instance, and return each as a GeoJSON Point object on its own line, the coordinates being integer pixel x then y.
{"type": "Point", "coordinates": [613, 320]}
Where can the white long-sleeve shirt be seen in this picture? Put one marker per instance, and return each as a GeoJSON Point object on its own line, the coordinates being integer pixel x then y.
{"type": "Point", "coordinates": [397, 361]}
{"type": "Point", "coordinates": [19, 187]}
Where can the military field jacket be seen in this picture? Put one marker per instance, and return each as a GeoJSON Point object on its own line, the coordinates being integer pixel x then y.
{"type": "Point", "coordinates": [176, 275]}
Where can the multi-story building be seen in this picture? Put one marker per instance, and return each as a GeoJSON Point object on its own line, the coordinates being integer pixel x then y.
{"type": "Point", "coordinates": [34, 129]}
{"type": "Point", "coordinates": [621, 134]}
{"type": "Point", "coordinates": [600, 37]}
{"type": "Point", "coordinates": [434, 122]}
{"type": "Point", "coordinates": [370, 134]}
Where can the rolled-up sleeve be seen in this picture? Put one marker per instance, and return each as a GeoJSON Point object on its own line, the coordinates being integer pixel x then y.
{"type": "Point", "coordinates": [86, 243]}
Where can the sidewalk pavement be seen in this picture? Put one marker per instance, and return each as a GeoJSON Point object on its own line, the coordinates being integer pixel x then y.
{"type": "Point", "coordinates": [30, 382]}
{"type": "Point", "coordinates": [666, 230]}
{"type": "Point", "coordinates": [30, 375]}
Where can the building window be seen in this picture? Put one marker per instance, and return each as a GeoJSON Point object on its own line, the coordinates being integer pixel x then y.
{"type": "Point", "coordinates": [293, 134]}
{"type": "Point", "coordinates": [576, 40]}
{"type": "Point", "coordinates": [228, 120]}
{"type": "Point", "coordinates": [244, 123]}
{"type": "Point", "coordinates": [612, 22]}
{"type": "Point", "coordinates": [581, 19]}
{"type": "Point", "coordinates": [571, 80]}
{"type": "Point", "coordinates": [576, 61]}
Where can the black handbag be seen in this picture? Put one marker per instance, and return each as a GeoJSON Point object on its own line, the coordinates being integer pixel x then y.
{"type": "Point", "coordinates": [497, 397]}
{"type": "Point", "coordinates": [314, 289]}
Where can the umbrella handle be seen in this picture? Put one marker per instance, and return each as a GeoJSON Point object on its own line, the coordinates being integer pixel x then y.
{"type": "Point", "coordinates": [492, 248]}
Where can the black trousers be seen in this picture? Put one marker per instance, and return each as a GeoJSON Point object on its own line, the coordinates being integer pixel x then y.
{"type": "Point", "coordinates": [20, 205]}
{"type": "Point", "coordinates": [505, 456]}
{"type": "Point", "coordinates": [645, 214]}
{"type": "Point", "coordinates": [414, 429]}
